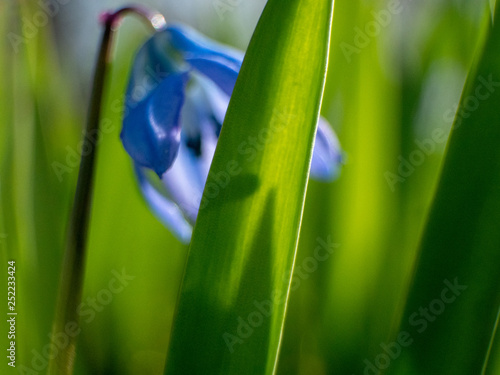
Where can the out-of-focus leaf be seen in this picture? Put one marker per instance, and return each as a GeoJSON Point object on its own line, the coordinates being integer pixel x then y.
{"type": "Point", "coordinates": [455, 296]}
{"type": "Point", "coordinates": [233, 299]}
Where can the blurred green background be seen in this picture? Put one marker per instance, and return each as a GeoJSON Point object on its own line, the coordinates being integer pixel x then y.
{"type": "Point", "coordinates": [396, 72]}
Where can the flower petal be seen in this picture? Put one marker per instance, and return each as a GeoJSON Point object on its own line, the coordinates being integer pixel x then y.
{"type": "Point", "coordinates": [327, 155]}
{"type": "Point", "coordinates": [151, 130]}
{"type": "Point", "coordinates": [218, 62]}
{"type": "Point", "coordinates": [186, 179]}
{"type": "Point", "coordinates": [222, 75]}
{"type": "Point", "coordinates": [193, 44]}
{"type": "Point", "coordinates": [184, 183]}
{"type": "Point", "coordinates": [166, 211]}
{"type": "Point", "coordinates": [152, 64]}
{"type": "Point", "coordinates": [215, 100]}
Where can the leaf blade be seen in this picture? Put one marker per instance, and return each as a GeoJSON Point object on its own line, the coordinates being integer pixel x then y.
{"type": "Point", "coordinates": [244, 243]}
{"type": "Point", "coordinates": [459, 248]}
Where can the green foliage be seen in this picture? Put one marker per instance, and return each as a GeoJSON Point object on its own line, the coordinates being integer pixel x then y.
{"type": "Point", "coordinates": [388, 96]}
{"type": "Point", "coordinates": [454, 301]}
{"type": "Point", "coordinates": [234, 294]}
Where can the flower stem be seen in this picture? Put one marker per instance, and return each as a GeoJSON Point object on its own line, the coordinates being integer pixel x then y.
{"type": "Point", "coordinates": [66, 320]}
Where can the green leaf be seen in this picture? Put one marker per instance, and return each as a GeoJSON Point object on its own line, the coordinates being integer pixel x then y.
{"type": "Point", "coordinates": [454, 300]}
{"type": "Point", "coordinates": [233, 298]}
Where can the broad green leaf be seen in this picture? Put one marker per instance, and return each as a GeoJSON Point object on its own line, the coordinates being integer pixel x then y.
{"type": "Point", "coordinates": [233, 298]}
{"type": "Point", "coordinates": [454, 300]}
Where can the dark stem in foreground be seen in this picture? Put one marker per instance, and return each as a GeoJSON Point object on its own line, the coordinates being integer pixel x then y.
{"type": "Point", "coordinates": [73, 267]}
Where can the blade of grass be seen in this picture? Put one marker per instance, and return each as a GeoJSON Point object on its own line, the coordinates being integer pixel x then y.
{"type": "Point", "coordinates": [454, 299]}
{"type": "Point", "coordinates": [234, 294]}
{"type": "Point", "coordinates": [491, 347]}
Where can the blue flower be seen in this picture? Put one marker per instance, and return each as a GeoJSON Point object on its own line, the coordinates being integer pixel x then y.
{"type": "Point", "coordinates": [177, 97]}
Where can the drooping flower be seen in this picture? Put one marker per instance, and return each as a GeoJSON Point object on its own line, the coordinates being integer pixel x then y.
{"type": "Point", "coordinates": [176, 100]}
